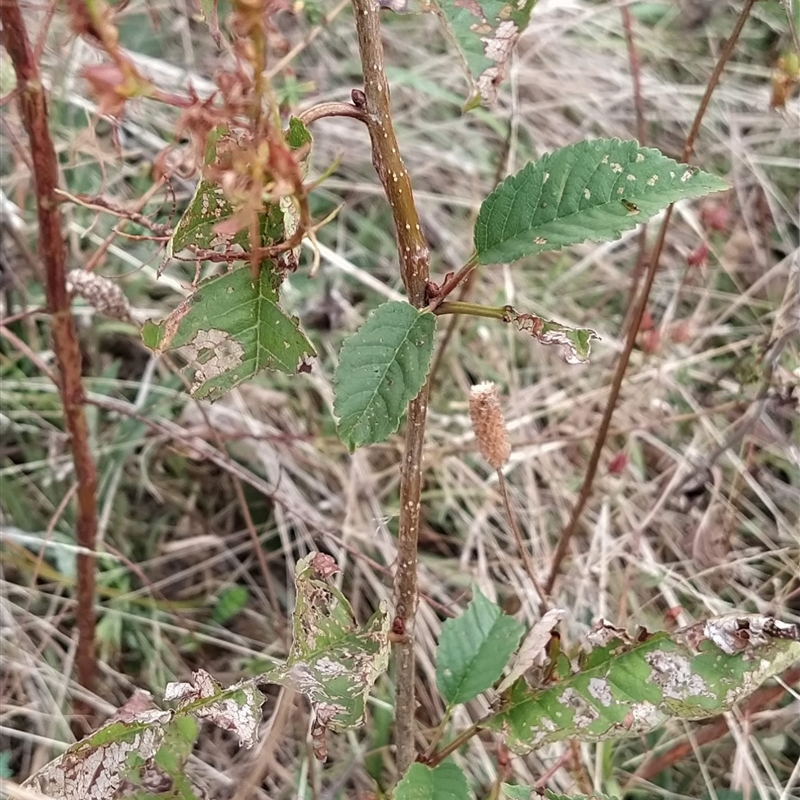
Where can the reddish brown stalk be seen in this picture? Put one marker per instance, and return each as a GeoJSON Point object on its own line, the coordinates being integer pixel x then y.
{"type": "Point", "coordinates": [639, 309]}
{"type": "Point", "coordinates": [415, 272]}
{"type": "Point", "coordinates": [52, 252]}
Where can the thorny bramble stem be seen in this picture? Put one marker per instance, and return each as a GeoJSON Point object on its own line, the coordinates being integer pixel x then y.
{"type": "Point", "coordinates": [414, 266]}
{"type": "Point", "coordinates": [52, 251]}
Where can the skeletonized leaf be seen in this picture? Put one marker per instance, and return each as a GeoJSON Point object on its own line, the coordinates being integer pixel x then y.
{"type": "Point", "coordinates": [229, 330]}
{"type": "Point", "coordinates": [381, 367]}
{"type": "Point", "coordinates": [235, 708]}
{"type": "Point", "coordinates": [333, 661]}
{"type": "Point", "coordinates": [207, 208]}
{"type": "Point", "coordinates": [522, 792]}
{"type": "Point", "coordinates": [199, 226]}
{"type": "Point", "coordinates": [593, 190]}
{"type": "Point", "coordinates": [445, 782]}
{"type": "Point", "coordinates": [534, 646]}
{"type": "Point", "coordinates": [548, 795]}
{"type": "Point", "coordinates": [96, 767]}
{"type": "Point", "coordinates": [485, 32]}
{"type": "Point", "coordinates": [575, 343]}
{"type": "Point", "coordinates": [629, 687]}
{"type": "Point", "coordinates": [473, 650]}
{"type": "Point", "coordinates": [165, 774]}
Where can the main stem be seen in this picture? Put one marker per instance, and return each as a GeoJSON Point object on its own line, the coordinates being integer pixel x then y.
{"type": "Point", "coordinates": [52, 251]}
{"type": "Point", "coordinates": [414, 265]}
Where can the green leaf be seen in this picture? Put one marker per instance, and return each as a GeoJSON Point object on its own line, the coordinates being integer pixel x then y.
{"type": "Point", "coordinates": [171, 759]}
{"type": "Point", "coordinates": [593, 190]}
{"type": "Point", "coordinates": [333, 661]}
{"type": "Point", "coordinates": [473, 650]}
{"type": "Point", "coordinates": [230, 603]}
{"type": "Point", "coordinates": [381, 368]}
{"type": "Point", "coordinates": [208, 207]}
{"type": "Point", "coordinates": [445, 782]}
{"type": "Point", "coordinates": [231, 329]}
{"type": "Point", "coordinates": [485, 33]}
{"type": "Point", "coordinates": [627, 687]}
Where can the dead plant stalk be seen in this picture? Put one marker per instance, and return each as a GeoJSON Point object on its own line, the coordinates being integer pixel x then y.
{"type": "Point", "coordinates": [413, 253]}
{"type": "Point", "coordinates": [52, 252]}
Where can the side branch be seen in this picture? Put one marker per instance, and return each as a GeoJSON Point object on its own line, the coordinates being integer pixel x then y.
{"type": "Point", "coordinates": [414, 256]}
{"type": "Point", "coordinates": [52, 251]}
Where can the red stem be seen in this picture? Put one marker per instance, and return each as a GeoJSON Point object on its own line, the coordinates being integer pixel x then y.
{"type": "Point", "coordinates": [52, 252]}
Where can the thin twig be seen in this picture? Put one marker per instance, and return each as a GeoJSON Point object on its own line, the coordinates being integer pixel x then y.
{"type": "Point", "coordinates": [636, 320]}
{"type": "Point", "coordinates": [322, 110]}
{"type": "Point", "coordinates": [414, 257]}
{"type": "Point", "coordinates": [52, 252]}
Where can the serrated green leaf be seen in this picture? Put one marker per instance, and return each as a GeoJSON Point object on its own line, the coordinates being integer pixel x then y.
{"type": "Point", "coordinates": [485, 33]}
{"type": "Point", "coordinates": [381, 368]}
{"type": "Point", "coordinates": [230, 603]}
{"type": "Point", "coordinates": [473, 650]}
{"type": "Point", "coordinates": [231, 329]}
{"type": "Point", "coordinates": [629, 687]}
{"type": "Point", "coordinates": [593, 190]}
{"type": "Point", "coordinates": [549, 795]}
{"type": "Point", "coordinates": [333, 660]}
{"type": "Point", "coordinates": [445, 782]}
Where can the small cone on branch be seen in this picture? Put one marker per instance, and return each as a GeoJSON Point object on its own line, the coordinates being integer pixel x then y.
{"type": "Point", "coordinates": [488, 424]}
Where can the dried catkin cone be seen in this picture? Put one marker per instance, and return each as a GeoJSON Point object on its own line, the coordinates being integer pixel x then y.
{"type": "Point", "coordinates": [101, 293]}
{"type": "Point", "coordinates": [488, 424]}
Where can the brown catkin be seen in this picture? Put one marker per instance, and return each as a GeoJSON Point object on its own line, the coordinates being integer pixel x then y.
{"type": "Point", "coordinates": [101, 293]}
{"type": "Point", "coordinates": [488, 423]}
